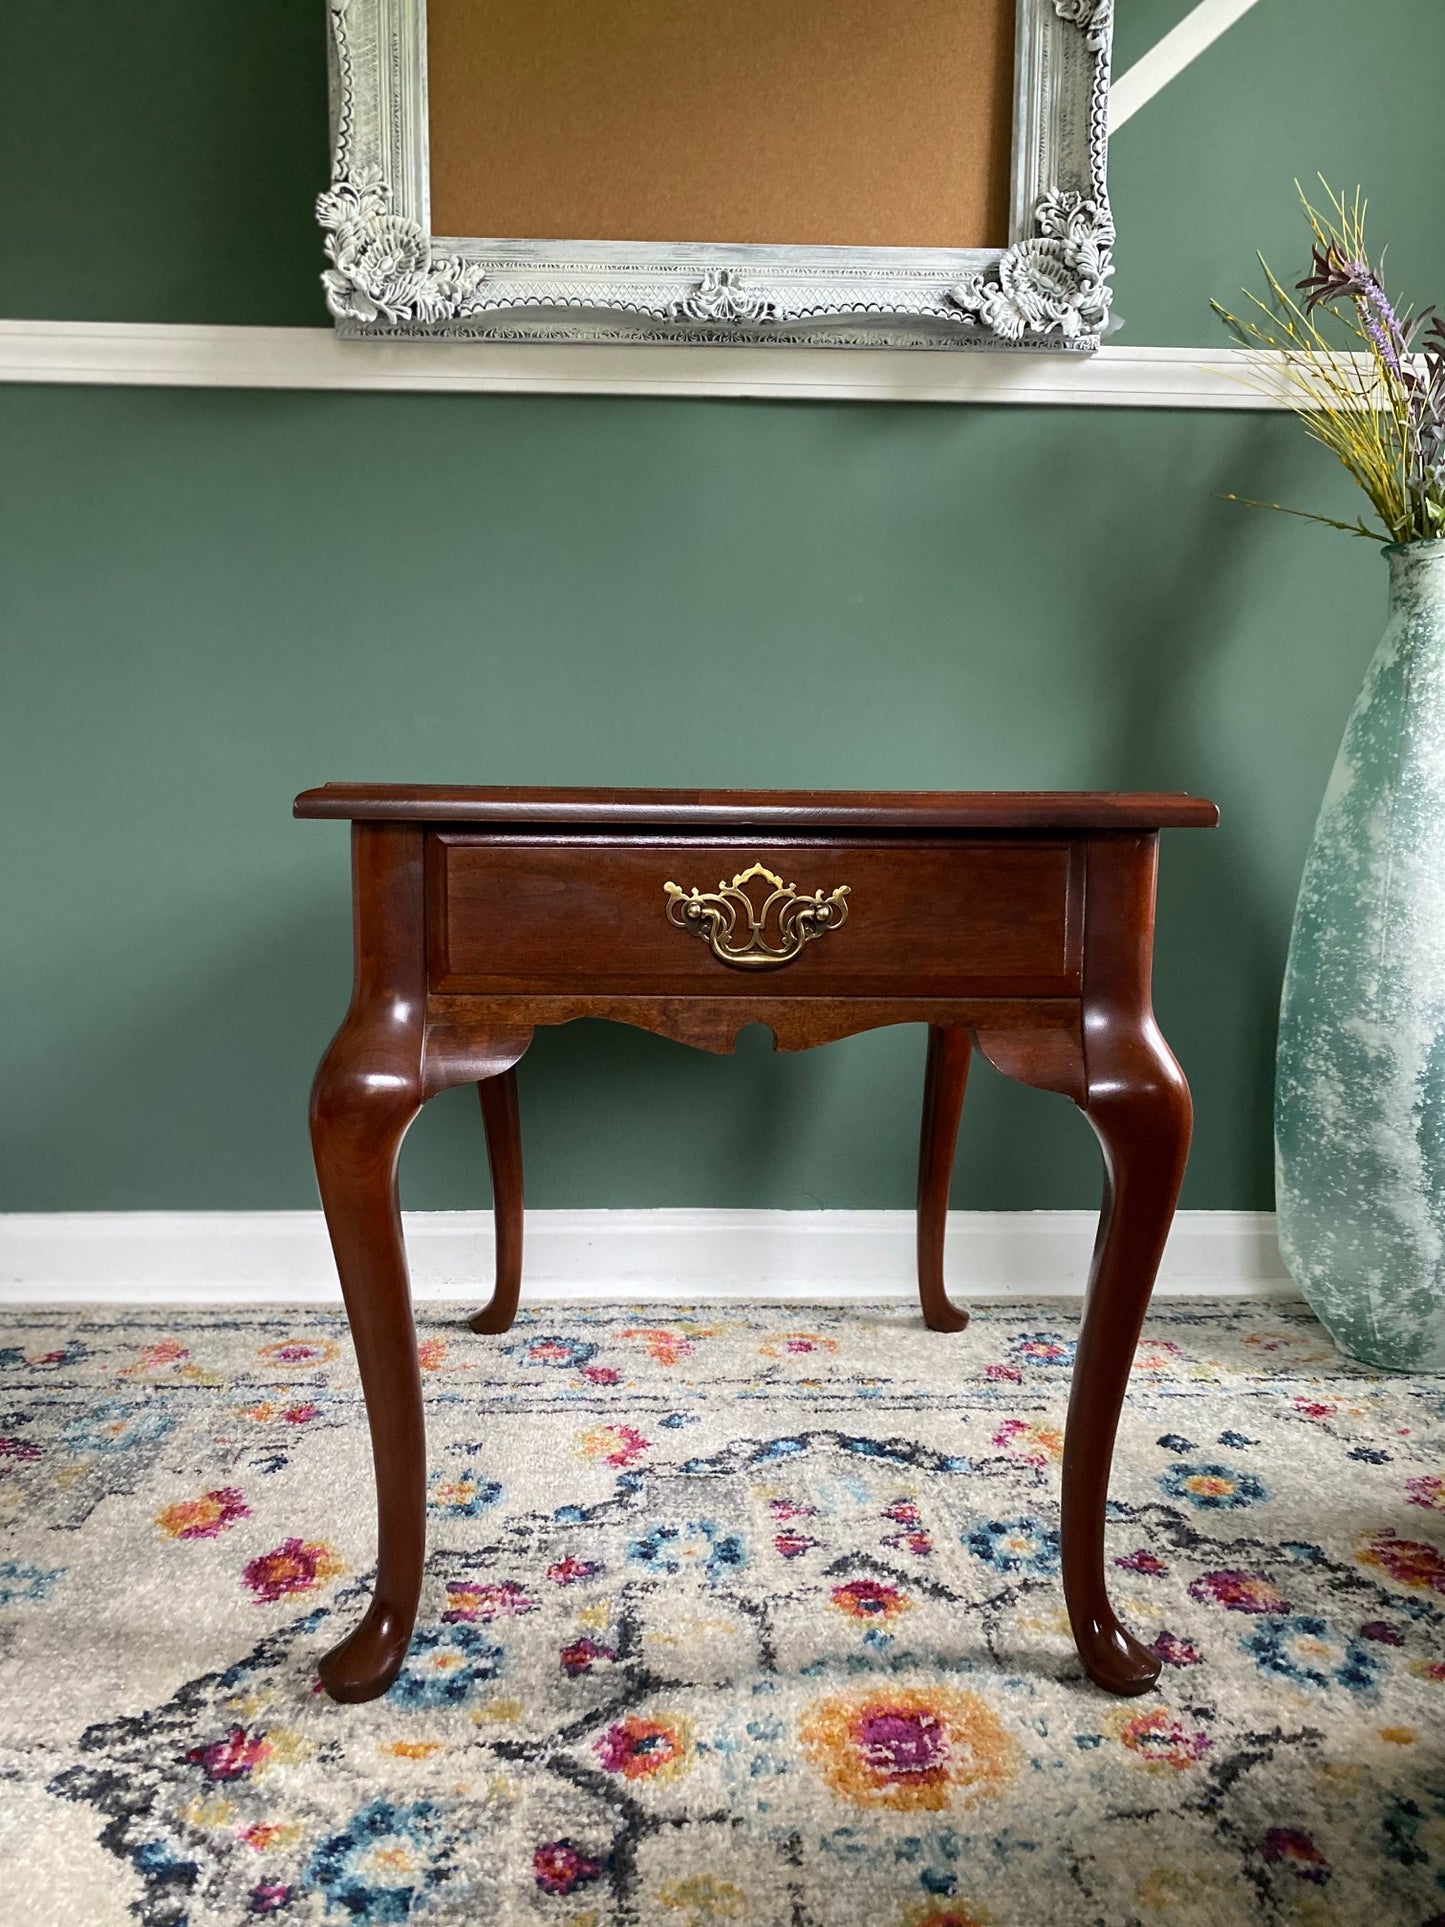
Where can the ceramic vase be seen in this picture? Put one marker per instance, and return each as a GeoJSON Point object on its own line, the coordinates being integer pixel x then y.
{"type": "Point", "coordinates": [1360, 1082]}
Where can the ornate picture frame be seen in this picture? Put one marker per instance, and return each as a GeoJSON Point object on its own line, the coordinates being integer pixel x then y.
{"type": "Point", "coordinates": [1047, 289]}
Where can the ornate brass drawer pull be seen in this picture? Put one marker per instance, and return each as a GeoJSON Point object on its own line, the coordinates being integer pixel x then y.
{"type": "Point", "coordinates": [736, 929]}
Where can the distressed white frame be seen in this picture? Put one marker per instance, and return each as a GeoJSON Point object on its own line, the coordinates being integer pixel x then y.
{"type": "Point", "coordinates": [389, 276]}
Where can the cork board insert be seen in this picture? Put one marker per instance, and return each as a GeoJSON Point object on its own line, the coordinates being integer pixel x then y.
{"type": "Point", "coordinates": [860, 123]}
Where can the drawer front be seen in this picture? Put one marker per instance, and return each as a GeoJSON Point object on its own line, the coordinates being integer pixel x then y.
{"type": "Point", "coordinates": [987, 917]}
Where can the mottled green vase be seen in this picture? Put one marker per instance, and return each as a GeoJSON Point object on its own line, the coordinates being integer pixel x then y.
{"type": "Point", "coordinates": [1360, 1084]}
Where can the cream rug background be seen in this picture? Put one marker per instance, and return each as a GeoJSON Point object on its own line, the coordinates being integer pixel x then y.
{"type": "Point", "coordinates": [746, 1616]}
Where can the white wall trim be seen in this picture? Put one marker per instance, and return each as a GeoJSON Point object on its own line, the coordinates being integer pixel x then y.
{"type": "Point", "coordinates": [281, 1257]}
{"type": "Point", "coordinates": [121, 354]}
{"type": "Point", "coordinates": [1166, 60]}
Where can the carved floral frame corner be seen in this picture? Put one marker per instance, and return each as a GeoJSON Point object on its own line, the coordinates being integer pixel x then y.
{"type": "Point", "coordinates": [1049, 288]}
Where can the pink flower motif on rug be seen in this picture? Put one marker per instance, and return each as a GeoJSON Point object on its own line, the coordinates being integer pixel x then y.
{"type": "Point", "coordinates": [1176, 1651]}
{"type": "Point", "coordinates": [1427, 1490]}
{"type": "Point", "coordinates": [796, 1345]}
{"type": "Point", "coordinates": [560, 1867]}
{"type": "Point", "coordinates": [870, 1599]}
{"type": "Point", "coordinates": [909, 1748]}
{"type": "Point", "coordinates": [296, 1565]}
{"type": "Point", "coordinates": [913, 1537]}
{"type": "Point", "coordinates": [1285, 1846]}
{"type": "Point", "coordinates": [1238, 1592]}
{"type": "Point", "coordinates": [1144, 1561]}
{"type": "Point", "coordinates": [582, 1655]}
{"type": "Point", "coordinates": [233, 1757]}
{"type": "Point", "coordinates": [569, 1571]}
{"type": "Point", "coordinates": [792, 1545]}
{"type": "Point", "coordinates": [299, 1351]}
{"type": "Point", "coordinates": [1162, 1742]}
{"type": "Point", "coordinates": [203, 1518]}
{"type": "Point", "coordinates": [473, 1602]}
{"type": "Point", "coordinates": [1315, 1408]}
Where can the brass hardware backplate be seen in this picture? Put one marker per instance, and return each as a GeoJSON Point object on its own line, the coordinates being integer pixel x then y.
{"type": "Point", "coordinates": [748, 935]}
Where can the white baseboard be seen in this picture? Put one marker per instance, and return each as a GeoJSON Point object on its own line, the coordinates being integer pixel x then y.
{"type": "Point", "coordinates": [282, 1257]}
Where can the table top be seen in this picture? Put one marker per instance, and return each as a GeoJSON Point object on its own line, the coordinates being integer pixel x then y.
{"type": "Point", "coordinates": [763, 809]}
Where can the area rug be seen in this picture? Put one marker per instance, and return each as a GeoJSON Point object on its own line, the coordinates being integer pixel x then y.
{"type": "Point", "coordinates": [749, 1615]}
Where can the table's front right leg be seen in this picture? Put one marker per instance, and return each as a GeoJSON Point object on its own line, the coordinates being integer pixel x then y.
{"type": "Point", "coordinates": [1138, 1103]}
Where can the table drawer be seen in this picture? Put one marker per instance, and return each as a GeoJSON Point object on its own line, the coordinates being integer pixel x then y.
{"type": "Point", "coordinates": [987, 916]}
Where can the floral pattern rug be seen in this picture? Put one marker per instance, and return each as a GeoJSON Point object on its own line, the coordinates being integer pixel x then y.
{"type": "Point", "coordinates": [746, 1615]}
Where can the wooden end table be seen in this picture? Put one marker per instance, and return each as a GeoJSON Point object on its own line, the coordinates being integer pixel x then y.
{"type": "Point", "coordinates": [1017, 923]}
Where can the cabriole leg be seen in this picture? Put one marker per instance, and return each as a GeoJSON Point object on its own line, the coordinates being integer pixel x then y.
{"type": "Point", "coordinates": [1144, 1132]}
{"type": "Point", "coordinates": [1138, 1103]}
{"type": "Point", "coordinates": [504, 1153]}
{"type": "Point", "coordinates": [367, 1091]}
{"type": "Point", "coordinates": [356, 1135]}
{"type": "Point", "coordinates": [944, 1081]}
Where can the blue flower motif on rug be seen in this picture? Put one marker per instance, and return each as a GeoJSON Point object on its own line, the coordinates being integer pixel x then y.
{"type": "Point", "coordinates": [1042, 1348]}
{"type": "Point", "coordinates": [25, 1585]}
{"type": "Point", "coordinates": [462, 1495]}
{"type": "Point", "coordinates": [702, 1544]}
{"type": "Point", "coordinates": [562, 1354]}
{"type": "Point", "coordinates": [385, 1861]}
{"type": "Point", "coordinates": [1020, 1545]}
{"type": "Point", "coordinates": [1308, 1651]}
{"type": "Point", "coordinates": [116, 1426]}
{"type": "Point", "coordinates": [1213, 1488]}
{"type": "Point", "coordinates": [15, 1358]}
{"type": "Point", "coordinates": [445, 1665]}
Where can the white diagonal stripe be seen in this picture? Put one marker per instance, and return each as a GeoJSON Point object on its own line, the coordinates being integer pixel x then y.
{"type": "Point", "coordinates": [1185, 43]}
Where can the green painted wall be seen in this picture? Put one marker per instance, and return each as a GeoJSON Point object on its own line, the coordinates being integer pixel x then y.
{"type": "Point", "coordinates": [213, 600]}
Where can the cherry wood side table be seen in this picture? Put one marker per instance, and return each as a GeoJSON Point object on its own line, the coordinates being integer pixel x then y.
{"type": "Point", "coordinates": [1020, 924]}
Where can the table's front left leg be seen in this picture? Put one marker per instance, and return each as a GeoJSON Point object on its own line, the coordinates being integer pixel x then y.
{"type": "Point", "coordinates": [357, 1125]}
{"type": "Point", "coordinates": [368, 1089]}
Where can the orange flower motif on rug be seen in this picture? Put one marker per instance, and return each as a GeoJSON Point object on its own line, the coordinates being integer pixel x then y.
{"type": "Point", "coordinates": [1409, 1561]}
{"type": "Point", "coordinates": [646, 1749]}
{"type": "Point", "coordinates": [910, 1748]}
{"type": "Point", "coordinates": [663, 1347]}
{"type": "Point", "coordinates": [203, 1518]}
{"type": "Point", "coordinates": [614, 1444]}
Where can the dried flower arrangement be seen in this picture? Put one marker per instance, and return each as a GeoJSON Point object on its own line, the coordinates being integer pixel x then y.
{"type": "Point", "coordinates": [1380, 408]}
